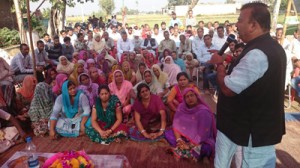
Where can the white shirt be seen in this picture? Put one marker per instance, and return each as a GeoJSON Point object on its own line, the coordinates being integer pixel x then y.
{"type": "Point", "coordinates": [250, 68]}
{"type": "Point", "coordinates": [218, 41]}
{"type": "Point", "coordinates": [115, 36]}
{"type": "Point", "coordinates": [21, 63]}
{"type": "Point", "coordinates": [159, 37]}
{"type": "Point", "coordinates": [295, 48]}
{"type": "Point", "coordinates": [124, 46]}
{"type": "Point", "coordinates": [190, 21]}
{"type": "Point", "coordinates": [197, 43]}
{"type": "Point", "coordinates": [205, 55]}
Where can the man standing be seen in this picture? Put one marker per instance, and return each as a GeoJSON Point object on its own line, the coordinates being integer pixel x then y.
{"type": "Point", "coordinates": [250, 109]}
{"type": "Point", "coordinates": [175, 20]}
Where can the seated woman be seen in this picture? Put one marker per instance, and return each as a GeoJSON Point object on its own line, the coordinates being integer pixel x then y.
{"type": "Point", "coordinates": [51, 76]}
{"type": "Point", "coordinates": [172, 69]}
{"type": "Point", "coordinates": [105, 124]}
{"type": "Point", "coordinates": [59, 80]}
{"type": "Point", "coordinates": [139, 73]}
{"type": "Point", "coordinates": [41, 108]}
{"type": "Point", "coordinates": [194, 129]}
{"type": "Point", "coordinates": [11, 131]}
{"type": "Point", "coordinates": [175, 96]}
{"type": "Point", "coordinates": [121, 88]}
{"type": "Point", "coordinates": [24, 97]}
{"type": "Point", "coordinates": [6, 85]}
{"type": "Point", "coordinates": [90, 89]}
{"type": "Point", "coordinates": [70, 112]}
{"type": "Point", "coordinates": [83, 55]}
{"type": "Point", "coordinates": [150, 116]}
{"type": "Point", "coordinates": [150, 80]}
{"type": "Point", "coordinates": [162, 78]}
{"type": "Point", "coordinates": [78, 69]}
{"type": "Point", "coordinates": [97, 78]}
{"type": "Point", "coordinates": [111, 74]}
{"type": "Point", "coordinates": [129, 73]}
{"type": "Point", "coordinates": [134, 61]}
{"type": "Point", "coordinates": [103, 64]}
{"type": "Point", "coordinates": [150, 60]}
{"type": "Point", "coordinates": [64, 66]}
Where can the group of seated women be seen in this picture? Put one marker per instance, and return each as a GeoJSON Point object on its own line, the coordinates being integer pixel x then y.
{"type": "Point", "coordinates": [94, 98]}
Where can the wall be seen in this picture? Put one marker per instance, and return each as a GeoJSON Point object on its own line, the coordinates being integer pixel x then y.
{"type": "Point", "coordinates": [209, 9]}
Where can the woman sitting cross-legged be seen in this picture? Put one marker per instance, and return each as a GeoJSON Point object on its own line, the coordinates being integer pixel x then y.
{"type": "Point", "coordinates": [41, 108]}
{"type": "Point", "coordinates": [121, 88]}
{"type": "Point", "coordinates": [105, 124]}
{"type": "Point", "coordinates": [150, 116]}
{"type": "Point", "coordinates": [175, 96]}
{"type": "Point", "coordinates": [70, 112]}
{"type": "Point", "coordinates": [194, 128]}
{"type": "Point", "coordinates": [89, 88]}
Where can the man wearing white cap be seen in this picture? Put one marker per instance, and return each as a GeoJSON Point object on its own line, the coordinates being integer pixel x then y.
{"type": "Point", "coordinates": [137, 41]}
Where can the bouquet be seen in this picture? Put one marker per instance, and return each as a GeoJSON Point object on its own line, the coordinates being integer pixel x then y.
{"type": "Point", "coordinates": [69, 159]}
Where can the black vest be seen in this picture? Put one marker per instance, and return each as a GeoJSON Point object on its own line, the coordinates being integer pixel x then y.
{"type": "Point", "coordinates": [152, 42]}
{"type": "Point", "coordinates": [259, 109]}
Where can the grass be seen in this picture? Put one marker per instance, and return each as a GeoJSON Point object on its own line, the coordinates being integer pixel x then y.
{"type": "Point", "coordinates": [152, 19]}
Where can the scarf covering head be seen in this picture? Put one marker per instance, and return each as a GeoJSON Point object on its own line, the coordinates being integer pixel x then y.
{"type": "Point", "coordinates": [196, 123]}
{"type": "Point", "coordinates": [81, 54]}
{"type": "Point", "coordinates": [48, 77]}
{"type": "Point", "coordinates": [109, 117]}
{"type": "Point", "coordinates": [102, 63]}
{"type": "Point", "coordinates": [128, 74]}
{"type": "Point", "coordinates": [59, 80]}
{"type": "Point", "coordinates": [163, 77]}
{"type": "Point", "coordinates": [68, 69]}
{"type": "Point", "coordinates": [150, 56]}
{"type": "Point", "coordinates": [90, 61]}
{"type": "Point", "coordinates": [154, 85]}
{"type": "Point", "coordinates": [69, 109]}
{"type": "Point", "coordinates": [42, 102]}
{"type": "Point", "coordinates": [28, 86]}
{"type": "Point", "coordinates": [172, 70]}
{"type": "Point", "coordinates": [126, 87]}
{"type": "Point", "coordinates": [139, 75]}
{"type": "Point", "coordinates": [74, 75]}
{"type": "Point", "coordinates": [91, 90]}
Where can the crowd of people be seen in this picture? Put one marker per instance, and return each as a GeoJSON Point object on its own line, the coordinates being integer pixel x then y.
{"type": "Point", "coordinates": [110, 81]}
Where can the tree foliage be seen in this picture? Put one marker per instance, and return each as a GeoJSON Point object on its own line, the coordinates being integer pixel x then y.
{"type": "Point", "coordinates": [179, 2]}
{"type": "Point", "coordinates": [108, 6]}
{"type": "Point", "coordinates": [8, 37]}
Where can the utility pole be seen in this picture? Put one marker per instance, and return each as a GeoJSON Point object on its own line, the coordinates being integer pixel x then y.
{"type": "Point", "coordinates": [30, 37]}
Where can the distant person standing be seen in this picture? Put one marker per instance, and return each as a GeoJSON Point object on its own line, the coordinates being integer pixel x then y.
{"type": "Point", "coordinates": [175, 20]}
{"type": "Point", "coordinates": [190, 20]}
{"type": "Point", "coordinates": [250, 108]}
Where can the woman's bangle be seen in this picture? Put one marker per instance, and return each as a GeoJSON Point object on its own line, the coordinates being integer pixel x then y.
{"type": "Point", "coordinates": [163, 130]}
{"type": "Point", "coordinates": [143, 131]}
{"type": "Point", "coordinates": [178, 139]}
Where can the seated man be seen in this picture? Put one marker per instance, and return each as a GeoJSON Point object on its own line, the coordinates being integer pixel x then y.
{"type": "Point", "coordinates": [185, 45]}
{"type": "Point", "coordinates": [109, 44]}
{"type": "Point", "coordinates": [167, 43]}
{"type": "Point", "coordinates": [41, 59]}
{"type": "Point", "coordinates": [124, 45]}
{"type": "Point", "coordinates": [149, 43]}
{"type": "Point", "coordinates": [54, 50]}
{"type": "Point", "coordinates": [21, 64]}
{"type": "Point", "coordinates": [137, 41]}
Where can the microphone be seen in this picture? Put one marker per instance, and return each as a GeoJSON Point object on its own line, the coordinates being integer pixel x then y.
{"type": "Point", "coordinates": [229, 39]}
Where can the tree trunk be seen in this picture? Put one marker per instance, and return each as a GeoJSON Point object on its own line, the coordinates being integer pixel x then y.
{"type": "Point", "coordinates": [275, 14]}
{"type": "Point", "coordinates": [57, 18]}
{"type": "Point", "coordinates": [22, 32]}
{"type": "Point", "coordinates": [192, 5]}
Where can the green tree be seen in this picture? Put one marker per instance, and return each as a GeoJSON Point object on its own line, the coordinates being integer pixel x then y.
{"type": "Point", "coordinates": [108, 6]}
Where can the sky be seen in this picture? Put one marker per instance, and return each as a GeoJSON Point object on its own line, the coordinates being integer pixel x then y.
{"type": "Point", "coordinates": [89, 7]}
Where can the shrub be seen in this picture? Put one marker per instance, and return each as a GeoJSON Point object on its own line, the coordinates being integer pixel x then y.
{"type": "Point", "coordinates": [9, 37]}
